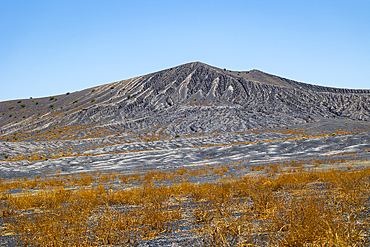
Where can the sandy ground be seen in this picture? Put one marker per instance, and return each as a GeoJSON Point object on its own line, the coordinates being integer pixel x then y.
{"type": "Point", "coordinates": [247, 148]}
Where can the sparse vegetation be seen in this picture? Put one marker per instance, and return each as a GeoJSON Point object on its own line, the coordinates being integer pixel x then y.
{"type": "Point", "coordinates": [302, 208]}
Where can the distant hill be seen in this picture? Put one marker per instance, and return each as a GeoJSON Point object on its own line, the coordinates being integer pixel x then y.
{"type": "Point", "coordinates": [189, 99]}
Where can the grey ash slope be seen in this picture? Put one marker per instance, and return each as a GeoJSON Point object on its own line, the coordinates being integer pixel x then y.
{"type": "Point", "coordinates": [194, 98]}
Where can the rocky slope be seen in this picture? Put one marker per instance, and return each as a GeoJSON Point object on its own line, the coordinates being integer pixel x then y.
{"type": "Point", "coordinates": [189, 99]}
{"type": "Point", "coordinates": [182, 111]}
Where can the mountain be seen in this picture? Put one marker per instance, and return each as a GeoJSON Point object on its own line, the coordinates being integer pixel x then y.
{"type": "Point", "coordinates": [107, 153]}
{"type": "Point", "coordinates": [190, 99]}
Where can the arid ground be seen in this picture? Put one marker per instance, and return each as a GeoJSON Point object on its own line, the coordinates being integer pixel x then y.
{"type": "Point", "coordinates": [189, 156]}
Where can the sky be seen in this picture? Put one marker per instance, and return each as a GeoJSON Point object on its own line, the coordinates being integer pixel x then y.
{"type": "Point", "coordinates": [52, 47]}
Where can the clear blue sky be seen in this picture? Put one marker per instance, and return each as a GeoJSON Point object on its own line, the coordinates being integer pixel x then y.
{"type": "Point", "coordinates": [53, 47]}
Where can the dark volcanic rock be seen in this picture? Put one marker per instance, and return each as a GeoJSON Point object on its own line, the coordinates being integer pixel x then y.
{"type": "Point", "coordinates": [190, 99]}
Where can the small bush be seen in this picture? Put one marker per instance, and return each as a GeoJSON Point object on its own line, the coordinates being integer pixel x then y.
{"type": "Point", "coordinates": [51, 106]}
{"type": "Point", "coordinates": [51, 98]}
{"type": "Point", "coordinates": [19, 101]}
{"type": "Point", "coordinates": [30, 97]}
{"type": "Point", "coordinates": [23, 105]}
{"type": "Point", "coordinates": [128, 96]}
{"type": "Point", "coordinates": [111, 87]}
{"type": "Point", "coordinates": [75, 101]}
{"type": "Point", "coordinates": [11, 107]}
{"type": "Point", "coordinates": [93, 100]}
{"type": "Point", "coordinates": [68, 93]}
{"type": "Point", "coordinates": [93, 90]}
{"type": "Point", "coordinates": [177, 136]}
{"type": "Point", "coordinates": [37, 103]}
{"type": "Point", "coordinates": [10, 115]}
{"type": "Point", "coordinates": [6, 156]}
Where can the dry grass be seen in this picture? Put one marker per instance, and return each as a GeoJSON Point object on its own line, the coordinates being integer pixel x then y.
{"type": "Point", "coordinates": [303, 208]}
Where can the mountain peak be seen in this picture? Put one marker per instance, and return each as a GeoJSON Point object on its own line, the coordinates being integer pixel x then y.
{"type": "Point", "coordinates": [188, 99]}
